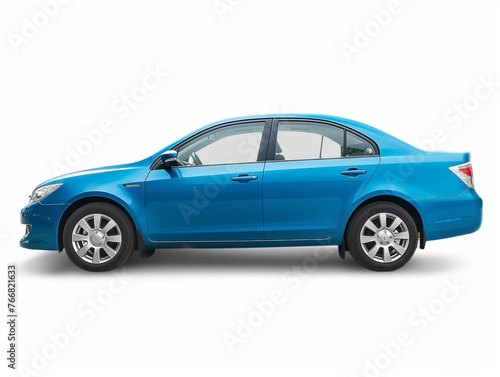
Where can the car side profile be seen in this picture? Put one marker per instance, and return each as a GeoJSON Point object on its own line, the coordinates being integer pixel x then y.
{"type": "Point", "coordinates": [261, 181]}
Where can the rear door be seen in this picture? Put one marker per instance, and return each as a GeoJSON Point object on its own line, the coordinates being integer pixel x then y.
{"type": "Point", "coordinates": [314, 172]}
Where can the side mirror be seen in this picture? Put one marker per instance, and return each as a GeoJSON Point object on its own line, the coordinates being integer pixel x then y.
{"type": "Point", "coordinates": [169, 158]}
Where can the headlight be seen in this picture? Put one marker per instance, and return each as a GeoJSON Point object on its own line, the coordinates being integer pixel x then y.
{"type": "Point", "coordinates": [43, 192]}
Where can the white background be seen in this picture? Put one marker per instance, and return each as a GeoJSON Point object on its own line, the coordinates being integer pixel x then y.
{"type": "Point", "coordinates": [255, 57]}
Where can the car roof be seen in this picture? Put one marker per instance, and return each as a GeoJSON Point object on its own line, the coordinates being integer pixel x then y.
{"type": "Point", "coordinates": [388, 144]}
{"type": "Point", "coordinates": [358, 126]}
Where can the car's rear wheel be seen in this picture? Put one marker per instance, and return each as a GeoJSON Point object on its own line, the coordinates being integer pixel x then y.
{"type": "Point", "coordinates": [382, 236]}
{"type": "Point", "coordinates": [98, 237]}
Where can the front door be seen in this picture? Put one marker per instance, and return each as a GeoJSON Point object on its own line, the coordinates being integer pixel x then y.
{"type": "Point", "coordinates": [217, 195]}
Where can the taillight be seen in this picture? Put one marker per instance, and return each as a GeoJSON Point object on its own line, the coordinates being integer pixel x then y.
{"type": "Point", "coordinates": [464, 172]}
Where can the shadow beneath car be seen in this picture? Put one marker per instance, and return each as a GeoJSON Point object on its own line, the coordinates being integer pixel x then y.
{"type": "Point", "coordinates": [243, 260]}
{"type": "Point", "coordinates": [51, 263]}
{"type": "Point", "coordinates": [278, 259]}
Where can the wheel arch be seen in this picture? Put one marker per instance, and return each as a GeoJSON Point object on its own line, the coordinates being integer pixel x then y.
{"type": "Point", "coordinates": [94, 199]}
{"type": "Point", "coordinates": [406, 205]}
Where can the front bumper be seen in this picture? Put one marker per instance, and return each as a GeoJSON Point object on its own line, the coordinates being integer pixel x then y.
{"type": "Point", "coordinates": [42, 225]}
{"type": "Point", "coordinates": [450, 217]}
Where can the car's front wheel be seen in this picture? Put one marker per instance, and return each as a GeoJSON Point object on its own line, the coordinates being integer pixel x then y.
{"type": "Point", "coordinates": [382, 236]}
{"type": "Point", "coordinates": [98, 237]}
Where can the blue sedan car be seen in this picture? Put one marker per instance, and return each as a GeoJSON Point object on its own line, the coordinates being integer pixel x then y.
{"type": "Point", "coordinates": [275, 180]}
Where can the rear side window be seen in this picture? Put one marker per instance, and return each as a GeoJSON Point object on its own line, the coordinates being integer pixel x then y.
{"type": "Point", "coordinates": [357, 146]}
{"type": "Point", "coordinates": [307, 140]}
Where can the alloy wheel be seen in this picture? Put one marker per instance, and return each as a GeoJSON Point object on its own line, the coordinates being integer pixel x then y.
{"type": "Point", "coordinates": [96, 238]}
{"type": "Point", "coordinates": [384, 237]}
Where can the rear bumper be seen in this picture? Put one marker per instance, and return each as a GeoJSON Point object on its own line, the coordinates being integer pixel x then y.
{"type": "Point", "coordinates": [450, 217]}
{"type": "Point", "coordinates": [42, 224]}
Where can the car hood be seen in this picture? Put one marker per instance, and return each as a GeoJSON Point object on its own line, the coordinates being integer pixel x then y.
{"type": "Point", "coordinates": [123, 168]}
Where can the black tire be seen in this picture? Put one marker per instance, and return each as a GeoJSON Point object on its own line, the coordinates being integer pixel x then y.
{"type": "Point", "coordinates": [109, 254]}
{"type": "Point", "coordinates": [389, 249]}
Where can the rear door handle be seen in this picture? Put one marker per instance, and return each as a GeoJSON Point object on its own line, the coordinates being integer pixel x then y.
{"type": "Point", "coordinates": [244, 178]}
{"type": "Point", "coordinates": [353, 172]}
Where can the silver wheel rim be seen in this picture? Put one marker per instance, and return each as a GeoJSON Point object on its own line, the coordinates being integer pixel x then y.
{"type": "Point", "coordinates": [96, 238]}
{"type": "Point", "coordinates": [384, 237]}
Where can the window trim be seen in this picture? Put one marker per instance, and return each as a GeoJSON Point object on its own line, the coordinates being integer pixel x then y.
{"type": "Point", "coordinates": [261, 154]}
{"type": "Point", "coordinates": [271, 149]}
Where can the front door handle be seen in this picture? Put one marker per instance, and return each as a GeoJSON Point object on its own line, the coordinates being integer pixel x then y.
{"type": "Point", "coordinates": [244, 178]}
{"type": "Point", "coordinates": [353, 172]}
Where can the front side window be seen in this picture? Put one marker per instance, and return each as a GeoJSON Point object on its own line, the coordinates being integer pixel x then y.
{"type": "Point", "coordinates": [234, 144]}
{"type": "Point", "coordinates": [305, 140]}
